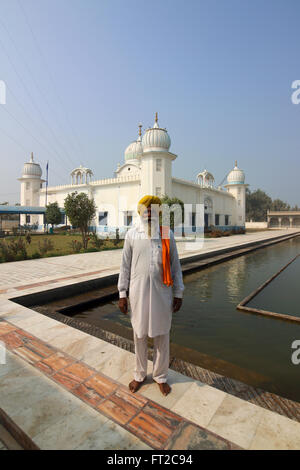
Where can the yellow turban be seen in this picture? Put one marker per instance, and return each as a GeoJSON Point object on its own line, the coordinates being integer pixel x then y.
{"type": "Point", "coordinates": [146, 201]}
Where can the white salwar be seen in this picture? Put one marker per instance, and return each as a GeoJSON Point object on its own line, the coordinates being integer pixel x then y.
{"type": "Point", "coordinates": [161, 355]}
{"type": "Point", "coordinates": [151, 301]}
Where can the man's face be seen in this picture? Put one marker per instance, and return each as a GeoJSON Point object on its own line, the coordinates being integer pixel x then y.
{"type": "Point", "coordinates": [147, 214]}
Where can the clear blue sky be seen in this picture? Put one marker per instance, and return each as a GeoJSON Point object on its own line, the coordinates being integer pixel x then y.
{"type": "Point", "coordinates": [81, 75]}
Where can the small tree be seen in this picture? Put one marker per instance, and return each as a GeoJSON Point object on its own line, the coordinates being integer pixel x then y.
{"type": "Point", "coordinates": [176, 216]}
{"type": "Point", "coordinates": [53, 214]}
{"type": "Point", "coordinates": [80, 210]}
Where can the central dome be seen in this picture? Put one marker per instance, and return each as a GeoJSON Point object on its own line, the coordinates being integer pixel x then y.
{"type": "Point", "coordinates": [135, 149]}
{"type": "Point", "coordinates": [156, 138]}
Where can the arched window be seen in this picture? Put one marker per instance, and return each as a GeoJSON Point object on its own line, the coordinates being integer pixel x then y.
{"type": "Point", "coordinates": [208, 204]}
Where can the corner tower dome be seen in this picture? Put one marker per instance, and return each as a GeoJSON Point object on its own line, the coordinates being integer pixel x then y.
{"type": "Point", "coordinates": [31, 169]}
{"type": "Point", "coordinates": [236, 176]}
{"type": "Point", "coordinates": [135, 149]}
{"type": "Point", "coordinates": [156, 138]}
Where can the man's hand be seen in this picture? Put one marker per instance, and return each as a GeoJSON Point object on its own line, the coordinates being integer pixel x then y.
{"type": "Point", "coordinates": [176, 304]}
{"type": "Point", "coordinates": [123, 305]}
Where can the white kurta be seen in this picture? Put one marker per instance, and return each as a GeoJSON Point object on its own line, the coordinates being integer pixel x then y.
{"type": "Point", "coordinates": [141, 271]}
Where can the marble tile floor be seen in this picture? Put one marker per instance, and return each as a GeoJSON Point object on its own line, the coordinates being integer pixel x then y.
{"type": "Point", "coordinates": [62, 402]}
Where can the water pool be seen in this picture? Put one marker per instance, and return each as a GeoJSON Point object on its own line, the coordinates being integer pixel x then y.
{"type": "Point", "coordinates": [209, 331]}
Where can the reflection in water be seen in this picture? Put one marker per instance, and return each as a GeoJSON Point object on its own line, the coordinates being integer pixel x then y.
{"type": "Point", "coordinates": [236, 276]}
{"type": "Point", "coordinates": [209, 323]}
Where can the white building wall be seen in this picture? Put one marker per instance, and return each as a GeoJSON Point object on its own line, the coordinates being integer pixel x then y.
{"type": "Point", "coordinates": [30, 196]}
{"type": "Point", "coordinates": [260, 225]}
{"type": "Point", "coordinates": [239, 193]}
{"type": "Point", "coordinates": [151, 178]}
{"type": "Point", "coordinates": [222, 203]}
{"type": "Point", "coordinates": [116, 199]}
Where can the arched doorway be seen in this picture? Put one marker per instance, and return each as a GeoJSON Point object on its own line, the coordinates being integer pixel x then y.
{"type": "Point", "coordinates": [296, 221]}
{"type": "Point", "coordinates": [273, 222]}
{"type": "Point", "coordinates": [208, 211]}
{"type": "Point", "coordinates": [285, 222]}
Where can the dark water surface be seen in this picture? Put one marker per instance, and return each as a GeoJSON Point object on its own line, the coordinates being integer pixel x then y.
{"type": "Point", "coordinates": [209, 331]}
{"type": "Point", "coordinates": [282, 294]}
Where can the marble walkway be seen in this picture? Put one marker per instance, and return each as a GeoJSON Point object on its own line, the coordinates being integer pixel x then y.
{"type": "Point", "coordinates": [68, 390]}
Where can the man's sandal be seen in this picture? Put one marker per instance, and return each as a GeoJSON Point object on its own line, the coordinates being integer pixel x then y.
{"type": "Point", "coordinates": [135, 385]}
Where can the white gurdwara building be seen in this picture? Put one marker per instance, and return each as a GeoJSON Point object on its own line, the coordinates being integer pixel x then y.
{"type": "Point", "coordinates": [147, 169]}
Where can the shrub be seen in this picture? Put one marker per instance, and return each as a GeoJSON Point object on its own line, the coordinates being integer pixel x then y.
{"type": "Point", "coordinates": [96, 241]}
{"type": "Point", "coordinates": [36, 255]}
{"type": "Point", "coordinates": [45, 246]}
{"type": "Point", "coordinates": [239, 230]}
{"type": "Point", "coordinates": [18, 247]}
{"type": "Point", "coordinates": [76, 246]}
{"type": "Point", "coordinates": [14, 250]}
{"type": "Point", "coordinates": [216, 233]}
{"type": "Point", "coordinates": [6, 254]}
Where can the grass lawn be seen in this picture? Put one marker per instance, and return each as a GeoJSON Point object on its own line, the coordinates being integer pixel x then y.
{"type": "Point", "coordinates": [61, 244]}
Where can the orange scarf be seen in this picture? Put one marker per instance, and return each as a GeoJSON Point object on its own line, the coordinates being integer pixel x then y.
{"type": "Point", "coordinates": [167, 277]}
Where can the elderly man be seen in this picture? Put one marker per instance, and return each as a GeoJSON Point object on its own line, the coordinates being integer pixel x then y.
{"type": "Point", "coordinates": [151, 270]}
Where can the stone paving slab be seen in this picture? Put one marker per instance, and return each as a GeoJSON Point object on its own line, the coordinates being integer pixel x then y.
{"type": "Point", "coordinates": [62, 403]}
{"type": "Point", "coordinates": [7, 441]}
{"type": "Point", "coordinates": [48, 393]}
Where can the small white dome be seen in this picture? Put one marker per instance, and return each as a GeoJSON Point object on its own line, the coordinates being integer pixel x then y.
{"type": "Point", "coordinates": [32, 169]}
{"type": "Point", "coordinates": [236, 176]}
{"type": "Point", "coordinates": [135, 149]}
{"type": "Point", "coordinates": [81, 175]}
{"type": "Point", "coordinates": [156, 138]}
{"type": "Point", "coordinates": [81, 169]}
{"type": "Point", "coordinates": [205, 178]}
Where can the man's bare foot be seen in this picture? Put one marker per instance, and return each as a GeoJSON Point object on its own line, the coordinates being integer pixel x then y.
{"type": "Point", "coordinates": [164, 388]}
{"type": "Point", "coordinates": [135, 385]}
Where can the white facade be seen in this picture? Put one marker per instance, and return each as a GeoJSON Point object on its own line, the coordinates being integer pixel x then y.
{"type": "Point", "coordinates": [147, 169]}
{"type": "Point", "coordinates": [31, 187]}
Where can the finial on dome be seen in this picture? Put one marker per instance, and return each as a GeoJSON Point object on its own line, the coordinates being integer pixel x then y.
{"type": "Point", "coordinates": [140, 129]}
{"type": "Point", "coordinates": [156, 117]}
{"type": "Point", "coordinates": [31, 157]}
{"type": "Point", "coordinates": [235, 162]}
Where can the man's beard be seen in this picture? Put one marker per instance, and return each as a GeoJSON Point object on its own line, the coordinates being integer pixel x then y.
{"type": "Point", "coordinates": [151, 224]}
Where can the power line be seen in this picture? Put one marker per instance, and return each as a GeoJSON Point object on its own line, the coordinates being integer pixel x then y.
{"type": "Point", "coordinates": [30, 96]}
{"type": "Point", "coordinates": [28, 115]}
{"type": "Point", "coordinates": [25, 149]}
{"type": "Point", "coordinates": [27, 67]}
{"type": "Point", "coordinates": [14, 140]}
{"type": "Point", "coordinates": [50, 76]}
{"type": "Point", "coordinates": [26, 130]}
